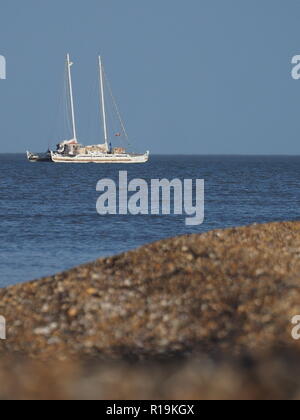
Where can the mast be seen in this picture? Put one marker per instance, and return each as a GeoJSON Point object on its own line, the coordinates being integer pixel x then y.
{"type": "Point", "coordinates": [70, 64]}
{"type": "Point", "coordinates": [103, 102]}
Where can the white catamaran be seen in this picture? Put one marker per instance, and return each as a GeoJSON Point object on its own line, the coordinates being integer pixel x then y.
{"type": "Point", "coordinates": [71, 151]}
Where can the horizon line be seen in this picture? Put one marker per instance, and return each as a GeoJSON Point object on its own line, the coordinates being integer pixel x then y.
{"type": "Point", "coordinates": [193, 154]}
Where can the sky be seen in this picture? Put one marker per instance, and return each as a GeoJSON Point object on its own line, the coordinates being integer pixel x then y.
{"type": "Point", "coordinates": [190, 76]}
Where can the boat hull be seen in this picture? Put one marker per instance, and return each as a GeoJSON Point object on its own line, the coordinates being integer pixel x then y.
{"type": "Point", "coordinates": [101, 159]}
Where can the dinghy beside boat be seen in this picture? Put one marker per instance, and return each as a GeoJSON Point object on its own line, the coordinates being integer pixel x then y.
{"type": "Point", "coordinates": [39, 157]}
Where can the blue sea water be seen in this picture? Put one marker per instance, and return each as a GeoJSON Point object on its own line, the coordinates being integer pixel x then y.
{"type": "Point", "coordinates": [49, 223]}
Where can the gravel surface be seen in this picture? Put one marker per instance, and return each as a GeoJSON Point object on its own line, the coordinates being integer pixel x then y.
{"type": "Point", "coordinates": [225, 295]}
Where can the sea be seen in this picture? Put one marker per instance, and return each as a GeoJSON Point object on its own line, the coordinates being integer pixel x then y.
{"type": "Point", "coordinates": [49, 222]}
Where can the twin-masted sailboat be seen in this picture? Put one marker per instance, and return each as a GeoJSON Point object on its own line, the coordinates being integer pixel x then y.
{"type": "Point", "coordinates": [71, 151]}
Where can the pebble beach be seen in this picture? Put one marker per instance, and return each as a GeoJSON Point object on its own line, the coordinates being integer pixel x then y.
{"type": "Point", "coordinates": [199, 316]}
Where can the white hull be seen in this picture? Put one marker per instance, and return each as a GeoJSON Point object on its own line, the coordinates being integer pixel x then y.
{"type": "Point", "coordinates": [103, 159]}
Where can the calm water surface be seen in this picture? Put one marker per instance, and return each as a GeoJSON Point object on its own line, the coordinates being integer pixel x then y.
{"type": "Point", "coordinates": [48, 219]}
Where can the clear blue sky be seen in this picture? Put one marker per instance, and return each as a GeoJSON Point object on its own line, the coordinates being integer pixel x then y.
{"type": "Point", "coordinates": [191, 76]}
